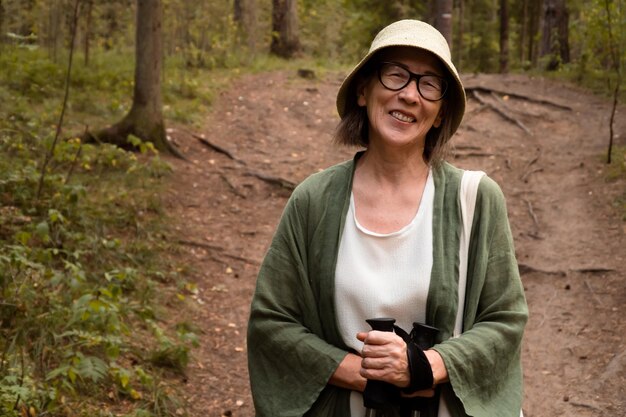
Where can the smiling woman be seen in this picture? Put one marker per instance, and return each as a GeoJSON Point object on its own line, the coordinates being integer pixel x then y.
{"type": "Point", "coordinates": [400, 118]}
{"type": "Point", "coordinates": [378, 236]}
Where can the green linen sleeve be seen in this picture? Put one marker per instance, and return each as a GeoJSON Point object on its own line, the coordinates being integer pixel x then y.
{"type": "Point", "coordinates": [483, 363]}
{"type": "Point", "coordinates": [289, 361]}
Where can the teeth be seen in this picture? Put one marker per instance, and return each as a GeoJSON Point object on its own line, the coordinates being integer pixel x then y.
{"type": "Point", "coordinates": [402, 117]}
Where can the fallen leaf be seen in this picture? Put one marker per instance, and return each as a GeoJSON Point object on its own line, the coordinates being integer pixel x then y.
{"type": "Point", "coordinates": [219, 288]}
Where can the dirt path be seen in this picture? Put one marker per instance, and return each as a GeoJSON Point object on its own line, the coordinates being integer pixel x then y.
{"type": "Point", "coordinates": [571, 244]}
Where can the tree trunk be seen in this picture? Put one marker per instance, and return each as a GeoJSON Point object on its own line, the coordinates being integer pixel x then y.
{"type": "Point", "coordinates": [285, 41]}
{"type": "Point", "coordinates": [88, 29]}
{"type": "Point", "coordinates": [504, 36]}
{"type": "Point", "coordinates": [432, 12]}
{"type": "Point", "coordinates": [2, 31]}
{"type": "Point", "coordinates": [524, 34]}
{"type": "Point", "coordinates": [459, 35]}
{"type": "Point", "coordinates": [245, 16]}
{"type": "Point", "coordinates": [554, 40]}
{"type": "Point", "coordinates": [548, 29]}
{"type": "Point", "coordinates": [470, 13]}
{"type": "Point", "coordinates": [251, 21]}
{"type": "Point", "coordinates": [443, 21]}
{"type": "Point", "coordinates": [535, 23]}
{"type": "Point", "coordinates": [238, 12]}
{"type": "Point", "coordinates": [563, 31]}
{"type": "Point", "coordinates": [52, 30]}
{"type": "Point", "coordinates": [110, 27]}
{"type": "Point", "coordinates": [145, 118]}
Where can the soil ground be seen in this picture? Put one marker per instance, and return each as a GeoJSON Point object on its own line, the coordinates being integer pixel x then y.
{"type": "Point", "coordinates": [570, 238]}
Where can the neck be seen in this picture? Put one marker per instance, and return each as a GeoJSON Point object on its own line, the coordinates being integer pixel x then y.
{"type": "Point", "coordinates": [394, 168]}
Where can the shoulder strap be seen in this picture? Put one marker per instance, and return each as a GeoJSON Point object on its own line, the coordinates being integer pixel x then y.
{"type": "Point", "coordinates": [467, 197]}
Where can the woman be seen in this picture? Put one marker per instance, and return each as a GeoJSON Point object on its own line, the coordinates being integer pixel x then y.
{"type": "Point", "coordinates": [379, 236]}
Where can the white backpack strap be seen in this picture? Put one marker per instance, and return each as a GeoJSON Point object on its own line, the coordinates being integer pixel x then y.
{"type": "Point", "coordinates": [467, 197]}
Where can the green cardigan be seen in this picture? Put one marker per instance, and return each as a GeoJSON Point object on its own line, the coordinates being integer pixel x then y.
{"type": "Point", "coordinates": [294, 345]}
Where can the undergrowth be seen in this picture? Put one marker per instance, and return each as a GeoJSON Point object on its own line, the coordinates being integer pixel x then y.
{"type": "Point", "coordinates": [83, 279]}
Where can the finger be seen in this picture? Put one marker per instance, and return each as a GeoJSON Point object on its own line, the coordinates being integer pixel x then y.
{"type": "Point", "coordinates": [395, 348]}
{"type": "Point", "coordinates": [374, 351]}
{"type": "Point", "coordinates": [370, 363]}
{"type": "Point", "coordinates": [391, 375]}
{"type": "Point", "coordinates": [376, 337]}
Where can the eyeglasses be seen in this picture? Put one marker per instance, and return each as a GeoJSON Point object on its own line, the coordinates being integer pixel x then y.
{"type": "Point", "coordinates": [394, 76]}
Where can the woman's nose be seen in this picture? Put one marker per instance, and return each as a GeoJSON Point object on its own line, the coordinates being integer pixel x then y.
{"type": "Point", "coordinates": [410, 93]}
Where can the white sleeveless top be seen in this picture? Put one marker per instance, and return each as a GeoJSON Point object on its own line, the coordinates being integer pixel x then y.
{"type": "Point", "coordinates": [383, 275]}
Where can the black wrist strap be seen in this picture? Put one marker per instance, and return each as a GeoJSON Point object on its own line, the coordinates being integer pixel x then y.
{"type": "Point", "coordinates": [419, 368]}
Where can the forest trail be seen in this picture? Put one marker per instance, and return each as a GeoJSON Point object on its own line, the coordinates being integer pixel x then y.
{"type": "Point", "coordinates": [274, 129]}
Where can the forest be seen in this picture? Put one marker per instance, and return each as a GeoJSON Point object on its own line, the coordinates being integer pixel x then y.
{"type": "Point", "coordinates": [95, 316]}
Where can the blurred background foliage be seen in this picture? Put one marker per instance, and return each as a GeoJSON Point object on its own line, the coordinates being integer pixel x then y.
{"type": "Point", "coordinates": [228, 34]}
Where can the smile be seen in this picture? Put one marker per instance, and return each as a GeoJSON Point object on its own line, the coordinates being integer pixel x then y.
{"type": "Point", "coordinates": [402, 117]}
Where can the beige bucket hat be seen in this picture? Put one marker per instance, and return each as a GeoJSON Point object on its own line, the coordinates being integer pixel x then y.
{"type": "Point", "coordinates": [420, 35]}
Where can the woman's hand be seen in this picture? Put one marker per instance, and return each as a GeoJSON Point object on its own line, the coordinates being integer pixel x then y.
{"type": "Point", "coordinates": [384, 358]}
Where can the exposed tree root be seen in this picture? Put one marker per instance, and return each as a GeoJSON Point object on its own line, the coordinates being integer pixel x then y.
{"type": "Point", "coordinates": [527, 269]}
{"type": "Point", "coordinates": [117, 135]}
{"type": "Point", "coordinates": [533, 216]}
{"type": "Point", "coordinates": [221, 250]}
{"type": "Point", "coordinates": [517, 96]}
{"type": "Point", "coordinates": [473, 154]}
{"type": "Point", "coordinates": [232, 186]}
{"type": "Point", "coordinates": [501, 112]}
{"type": "Point", "coordinates": [594, 270]}
{"type": "Point", "coordinates": [270, 179]}
{"type": "Point", "coordinates": [589, 406]}
{"type": "Point", "coordinates": [216, 148]}
{"type": "Point", "coordinates": [529, 173]}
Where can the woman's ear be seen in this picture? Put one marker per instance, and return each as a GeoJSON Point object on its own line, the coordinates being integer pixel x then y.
{"type": "Point", "coordinates": [438, 120]}
{"type": "Point", "coordinates": [440, 115]}
{"type": "Point", "coordinates": [361, 100]}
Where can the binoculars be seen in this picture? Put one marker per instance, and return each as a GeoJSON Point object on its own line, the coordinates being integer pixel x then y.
{"type": "Point", "coordinates": [382, 399]}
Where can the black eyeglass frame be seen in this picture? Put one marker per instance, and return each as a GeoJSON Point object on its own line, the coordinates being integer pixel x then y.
{"type": "Point", "coordinates": [412, 76]}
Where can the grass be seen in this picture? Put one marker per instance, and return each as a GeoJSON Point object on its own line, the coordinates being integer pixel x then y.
{"type": "Point", "coordinates": [81, 270]}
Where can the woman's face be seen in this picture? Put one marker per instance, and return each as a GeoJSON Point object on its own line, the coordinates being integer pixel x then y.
{"type": "Point", "coordinates": [401, 119]}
